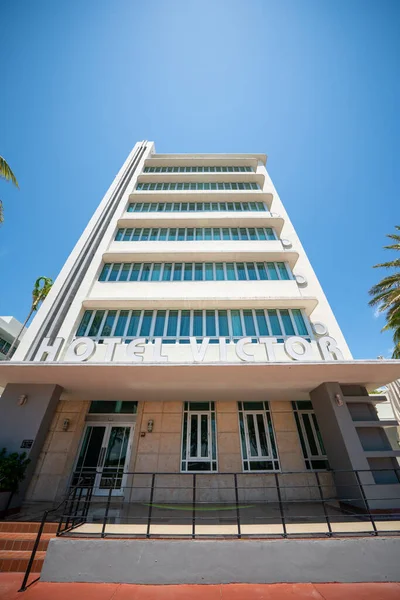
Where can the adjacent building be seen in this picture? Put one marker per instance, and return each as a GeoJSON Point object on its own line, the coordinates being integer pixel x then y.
{"type": "Point", "coordinates": [10, 329]}
{"type": "Point", "coordinates": [187, 333]}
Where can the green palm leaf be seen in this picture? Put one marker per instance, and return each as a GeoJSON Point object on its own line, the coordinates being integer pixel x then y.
{"type": "Point", "coordinates": [386, 293]}
{"type": "Point", "coordinates": [6, 172]}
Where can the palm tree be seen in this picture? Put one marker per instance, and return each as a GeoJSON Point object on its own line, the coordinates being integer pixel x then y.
{"type": "Point", "coordinates": [40, 290]}
{"type": "Point", "coordinates": [386, 293]}
{"type": "Point", "coordinates": [7, 174]}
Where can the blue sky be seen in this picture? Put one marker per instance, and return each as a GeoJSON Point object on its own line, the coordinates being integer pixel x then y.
{"type": "Point", "coordinates": [313, 83]}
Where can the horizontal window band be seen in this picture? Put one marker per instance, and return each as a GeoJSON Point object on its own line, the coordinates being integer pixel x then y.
{"type": "Point", "coordinates": [181, 324]}
{"type": "Point", "coordinates": [197, 207]}
{"type": "Point", "coordinates": [194, 186]}
{"type": "Point", "coordinates": [194, 234]}
{"type": "Point", "coordinates": [172, 272]}
{"type": "Point", "coordinates": [196, 169]}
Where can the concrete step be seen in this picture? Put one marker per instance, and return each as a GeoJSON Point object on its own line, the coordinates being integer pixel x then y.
{"type": "Point", "coordinates": [17, 539]}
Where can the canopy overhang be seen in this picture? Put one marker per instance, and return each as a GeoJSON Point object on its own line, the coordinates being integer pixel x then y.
{"type": "Point", "coordinates": [213, 381]}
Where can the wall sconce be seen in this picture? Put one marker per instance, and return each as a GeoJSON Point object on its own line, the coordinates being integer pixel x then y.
{"type": "Point", "coordinates": [150, 424]}
{"type": "Point", "coordinates": [339, 400]}
{"type": "Point", "coordinates": [65, 425]}
{"type": "Point", "coordinates": [23, 399]}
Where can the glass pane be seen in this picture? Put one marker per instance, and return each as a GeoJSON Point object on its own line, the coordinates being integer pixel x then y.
{"type": "Point", "coordinates": [184, 436]}
{"type": "Point", "coordinates": [207, 233]}
{"type": "Point", "coordinates": [262, 434]}
{"type": "Point", "coordinates": [127, 235]}
{"type": "Point", "coordinates": [133, 323]}
{"type": "Point", "coordinates": [249, 323]}
{"type": "Point", "coordinates": [219, 270]}
{"type": "Point", "coordinates": [251, 270]}
{"type": "Point", "coordinates": [316, 426]}
{"type": "Point", "coordinates": [178, 272]}
{"type": "Point", "coordinates": [90, 450]}
{"type": "Point", "coordinates": [94, 329]}
{"type": "Point", "coordinates": [252, 435]}
{"type": "Point", "coordinates": [156, 272]}
{"type": "Point", "coordinates": [188, 274]}
{"type": "Point", "coordinates": [242, 436]}
{"type": "Point", "coordinates": [262, 322]}
{"type": "Point", "coordinates": [223, 323]}
{"type": "Point", "coordinates": [114, 272]}
{"type": "Point", "coordinates": [193, 436]}
{"type": "Point", "coordinates": [272, 272]}
{"type": "Point", "coordinates": [172, 323]}
{"type": "Point", "coordinates": [163, 234]}
{"type": "Point", "coordinates": [210, 323]}
{"type": "Point", "coordinates": [160, 322]}
{"type": "Point", "coordinates": [115, 457]}
{"type": "Point", "coordinates": [172, 235]}
{"type": "Point", "coordinates": [198, 323]}
{"type": "Point", "coordinates": [230, 271]}
{"type": "Point", "coordinates": [252, 233]}
{"type": "Point", "coordinates": [121, 323]}
{"type": "Point", "coordinates": [261, 233]}
{"type": "Point", "coordinates": [135, 272]}
{"type": "Point", "coordinates": [190, 234]}
{"type": "Point", "coordinates": [123, 276]}
{"type": "Point", "coordinates": [275, 326]}
{"type": "Point", "coordinates": [209, 272]}
{"type": "Point", "coordinates": [310, 434]}
{"type": "Point", "coordinates": [243, 234]}
{"type": "Point", "coordinates": [282, 270]}
{"type": "Point", "coordinates": [146, 323]}
{"type": "Point", "coordinates": [84, 323]}
{"type": "Point", "coordinates": [216, 234]}
{"type": "Point", "coordinates": [104, 272]}
{"type": "Point", "coordinates": [270, 233]}
{"type": "Point", "coordinates": [261, 271]}
{"type": "Point", "coordinates": [198, 271]}
{"type": "Point", "coordinates": [300, 324]}
{"type": "Point", "coordinates": [108, 323]}
{"type": "Point", "coordinates": [167, 272]}
{"type": "Point", "coordinates": [181, 234]}
{"type": "Point", "coordinates": [145, 272]}
{"type": "Point", "coordinates": [204, 435]}
{"type": "Point", "coordinates": [236, 323]}
{"type": "Point", "coordinates": [241, 271]}
{"type": "Point", "coordinates": [112, 407]}
{"type": "Point", "coordinates": [226, 234]}
{"type": "Point", "coordinates": [235, 233]}
{"type": "Point", "coordinates": [199, 233]}
{"type": "Point", "coordinates": [185, 323]}
{"type": "Point", "coordinates": [287, 322]}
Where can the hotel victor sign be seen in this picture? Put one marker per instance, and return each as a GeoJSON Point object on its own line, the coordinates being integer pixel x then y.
{"type": "Point", "coordinates": [265, 349]}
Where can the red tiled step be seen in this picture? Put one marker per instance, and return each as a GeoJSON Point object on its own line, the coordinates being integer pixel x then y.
{"type": "Point", "coordinates": [17, 561]}
{"type": "Point", "coordinates": [26, 527]}
{"type": "Point", "coordinates": [23, 541]}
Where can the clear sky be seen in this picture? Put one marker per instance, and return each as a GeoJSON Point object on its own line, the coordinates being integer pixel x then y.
{"type": "Point", "coordinates": [315, 84]}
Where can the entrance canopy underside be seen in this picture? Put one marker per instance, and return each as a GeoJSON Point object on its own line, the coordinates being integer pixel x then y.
{"type": "Point", "coordinates": [147, 382]}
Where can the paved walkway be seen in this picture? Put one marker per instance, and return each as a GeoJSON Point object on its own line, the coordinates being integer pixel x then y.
{"type": "Point", "coordinates": [10, 582]}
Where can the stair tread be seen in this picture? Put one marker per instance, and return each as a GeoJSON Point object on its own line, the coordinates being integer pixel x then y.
{"type": "Point", "coordinates": [20, 554]}
{"type": "Point", "coordinates": [24, 536]}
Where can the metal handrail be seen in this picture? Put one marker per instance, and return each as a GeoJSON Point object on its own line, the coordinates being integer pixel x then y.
{"type": "Point", "coordinates": [24, 587]}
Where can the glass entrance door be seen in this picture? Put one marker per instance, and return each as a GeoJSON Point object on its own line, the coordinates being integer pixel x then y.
{"type": "Point", "coordinates": [103, 457]}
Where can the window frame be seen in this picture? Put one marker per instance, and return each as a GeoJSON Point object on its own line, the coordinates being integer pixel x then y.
{"type": "Point", "coordinates": [212, 432]}
{"type": "Point", "coordinates": [267, 417]}
{"type": "Point", "coordinates": [304, 441]}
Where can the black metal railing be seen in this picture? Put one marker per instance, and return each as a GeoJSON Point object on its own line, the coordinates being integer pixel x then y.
{"type": "Point", "coordinates": [195, 505]}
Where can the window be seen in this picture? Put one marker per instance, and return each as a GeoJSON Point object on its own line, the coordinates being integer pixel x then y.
{"type": "Point", "coordinates": [199, 437]}
{"type": "Point", "coordinates": [259, 452]}
{"type": "Point", "coordinates": [198, 207]}
{"type": "Point", "coordinates": [207, 169]}
{"type": "Point", "coordinates": [112, 272]}
{"type": "Point", "coordinates": [113, 407]}
{"type": "Point", "coordinates": [208, 233]}
{"type": "Point", "coordinates": [310, 436]}
{"type": "Point", "coordinates": [176, 326]}
{"type": "Point", "coordinates": [4, 346]}
{"type": "Point", "coordinates": [192, 186]}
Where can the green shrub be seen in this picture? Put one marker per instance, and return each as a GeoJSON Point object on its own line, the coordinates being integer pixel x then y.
{"type": "Point", "coordinates": [12, 470]}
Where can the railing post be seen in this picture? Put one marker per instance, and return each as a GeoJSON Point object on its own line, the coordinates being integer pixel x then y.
{"type": "Point", "coordinates": [34, 549]}
{"type": "Point", "coordinates": [280, 505]}
{"type": "Point", "coordinates": [364, 497]}
{"type": "Point", "coordinates": [105, 520]}
{"type": "Point", "coordinates": [194, 507]}
{"type": "Point", "coordinates": [153, 477]}
{"type": "Point", "coordinates": [237, 507]}
{"type": "Point", "coordinates": [329, 534]}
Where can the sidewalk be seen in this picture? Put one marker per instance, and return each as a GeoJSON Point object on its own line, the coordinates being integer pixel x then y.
{"type": "Point", "coordinates": [10, 582]}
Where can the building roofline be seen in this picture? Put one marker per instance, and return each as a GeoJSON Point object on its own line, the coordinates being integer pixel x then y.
{"type": "Point", "coordinates": [261, 157]}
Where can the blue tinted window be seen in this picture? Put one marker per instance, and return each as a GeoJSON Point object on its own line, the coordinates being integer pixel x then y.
{"type": "Point", "coordinates": [236, 323]}
{"type": "Point", "coordinates": [223, 323]}
{"type": "Point", "coordinates": [275, 325]}
{"type": "Point", "coordinates": [104, 272]}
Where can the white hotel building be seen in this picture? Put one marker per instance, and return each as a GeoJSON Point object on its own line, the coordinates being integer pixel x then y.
{"type": "Point", "coordinates": [187, 333]}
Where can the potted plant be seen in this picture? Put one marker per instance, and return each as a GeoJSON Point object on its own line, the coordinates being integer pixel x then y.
{"type": "Point", "coordinates": [12, 472]}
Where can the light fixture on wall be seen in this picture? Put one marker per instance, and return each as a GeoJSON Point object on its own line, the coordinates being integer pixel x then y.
{"type": "Point", "coordinates": [65, 425]}
{"type": "Point", "coordinates": [339, 400]}
{"type": "Point", "coordinates": [23, 399]}
{"type": "Point", "coordinates": [150, 424]}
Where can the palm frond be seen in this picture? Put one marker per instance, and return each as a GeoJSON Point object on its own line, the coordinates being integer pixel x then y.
{"type": "Point", "coordinates": [392, 247]}
{"type": "Point", "coordinates": [1, 212]}
{"type": "Point", "coordinates": [6, 172]}
{"type": "Point", "coordinates": [392, 264]}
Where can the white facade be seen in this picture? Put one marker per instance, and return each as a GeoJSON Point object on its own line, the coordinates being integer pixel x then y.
{"type": "Point", "coordinates": [10, 328]}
